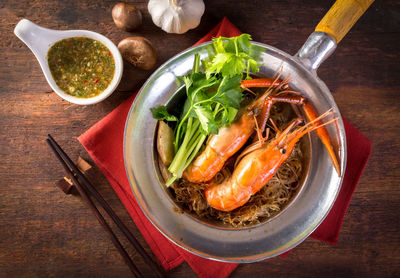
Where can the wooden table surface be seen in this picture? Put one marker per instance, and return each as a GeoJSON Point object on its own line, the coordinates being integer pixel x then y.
{"type": "Point", "coordinates": [44, 233]}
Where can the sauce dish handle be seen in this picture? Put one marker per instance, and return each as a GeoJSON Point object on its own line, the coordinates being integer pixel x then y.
{"type": "Point", "coordinates": [35, 37]}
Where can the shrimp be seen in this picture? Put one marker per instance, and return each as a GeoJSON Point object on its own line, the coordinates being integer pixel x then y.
{"type": "Point", "coordinates": [219, 148]}
{"type": "Point", "coordinates": [257, 167]}
{"type": "Point", "coordinates": [230, 139]}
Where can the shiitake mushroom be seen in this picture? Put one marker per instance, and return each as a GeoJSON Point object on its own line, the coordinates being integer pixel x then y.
{"type": "Point", "coordinates": [139, 52]}
{"type": "Point", "coordinates": [126, 16]}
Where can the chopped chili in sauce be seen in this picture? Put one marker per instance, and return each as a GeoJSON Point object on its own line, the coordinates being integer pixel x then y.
{"type": "Point", "coordinates": [81, 67]}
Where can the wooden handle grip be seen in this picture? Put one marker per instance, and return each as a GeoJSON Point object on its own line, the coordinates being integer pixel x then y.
{"type": "Point", "coordinates": [342, 16]}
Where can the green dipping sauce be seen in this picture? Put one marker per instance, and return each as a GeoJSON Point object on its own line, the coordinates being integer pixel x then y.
{"type": "Point", "coordinates": [81, 67]}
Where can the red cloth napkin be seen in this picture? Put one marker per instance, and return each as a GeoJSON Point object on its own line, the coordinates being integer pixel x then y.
{"type": "Point", "coordinates": [104, 142]}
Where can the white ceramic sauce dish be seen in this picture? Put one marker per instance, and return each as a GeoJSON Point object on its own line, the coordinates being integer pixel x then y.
{"type": "Point", "coordinates": [40, 40]}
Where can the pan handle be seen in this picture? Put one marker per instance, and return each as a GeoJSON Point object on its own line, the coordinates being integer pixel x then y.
{"type": "Point", "coordinates": [330, 31]}
{"type": "Point", "coordinates": [341, 17]}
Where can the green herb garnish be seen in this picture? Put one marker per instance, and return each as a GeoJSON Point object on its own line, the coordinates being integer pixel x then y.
{"type": "Point", "coordinates": [233, 56]}
{"type": "Point", "coordinates": [161, 113]}
{"type": "Point", "coordinates": [213, 98]}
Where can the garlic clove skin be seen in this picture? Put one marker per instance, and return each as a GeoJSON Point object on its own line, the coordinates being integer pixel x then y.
{"type": "Point", "coordinates": [176, 16]}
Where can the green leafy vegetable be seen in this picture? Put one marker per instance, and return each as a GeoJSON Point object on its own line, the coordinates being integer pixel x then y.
{"type": "Point", "coordinates": [213, 98]}
{"type": "Point", "coordinates": [232, 57]}
{"type": "Point", "coordinates": [161, 113]}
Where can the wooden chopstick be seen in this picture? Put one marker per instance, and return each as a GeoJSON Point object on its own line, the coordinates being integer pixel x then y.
{"type": "Point", "coordinates": [99, 217]}
{"type": "Point", "coordinates": [72, 170]}
{"type": "Point", "coordinates": [108, 209]}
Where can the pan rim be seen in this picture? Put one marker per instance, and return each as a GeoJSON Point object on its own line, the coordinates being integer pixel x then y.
{"type": "Point", "coordinates": [134, 182]}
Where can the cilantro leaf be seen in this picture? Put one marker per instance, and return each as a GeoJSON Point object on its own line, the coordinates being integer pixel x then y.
{"type": "Point", "coordinates": [216, 64]}
{"type": "Point", "coordinates": [234, 66]}
{"type": "Point", "coordinates": [205, 116]}
{"type": "Point", "coordinates": [228, 115]}
{"type": "Point", "coordinates": [213, 127]}
{"type": "Point", "coordinates": [229, 93]}
{"type": "Point", "coordinates": [213, 97]}
{"type": "Point", "coordinates": [243, 42]}
{"type": "Point", "coordinates": [232, 57]}
{"type": "Point", "coordinates": [161, 113]}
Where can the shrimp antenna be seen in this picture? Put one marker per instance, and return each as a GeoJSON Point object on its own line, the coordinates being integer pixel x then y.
{"type": "Point", "coordinates": [274, 127]}
{"type": "Point", "coordinates": [308, 127]}
{"type": "Point", "coordinates": [255, 145]}
{"type": "Point", "coordinates": [261, 139]}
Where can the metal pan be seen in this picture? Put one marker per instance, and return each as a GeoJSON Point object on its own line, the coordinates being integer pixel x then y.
{"type": "Point", "coordinates": [321, 186]}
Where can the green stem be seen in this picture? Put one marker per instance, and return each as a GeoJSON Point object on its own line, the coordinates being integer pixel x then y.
{"type": "Point", "coordinates": [180, 126]}
{"type": "Point", "coordinates": [187, 152]}
{"type": "Point", "coordinates": [190, 153]}
{"type": "Point", "coordinates": [196, 69]}
{"type": "Point", "coordinates": [185, 141]}
{"type": "Point", "coordinates": [248, 70]}
{"type": "Point", "coordinates": [200, 142]}
{"type": "Point", "coordinates": [186, 148]}
{"type": "Point", "coordinates": [236, 47]}
{"type": "Point", "coordinates": [196, 63]}
{"type": "Point", "coordinates": [171, 180]}
{"type": "Point", "coordinates": [216, 109]}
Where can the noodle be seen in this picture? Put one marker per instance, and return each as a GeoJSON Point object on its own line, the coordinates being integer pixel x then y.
{"type": "Point", "coordinates": [266, 203]}
{"type": "Point", "coordinates": [263, 205]}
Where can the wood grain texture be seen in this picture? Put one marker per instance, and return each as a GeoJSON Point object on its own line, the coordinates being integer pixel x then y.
{"type": "Point", "coordinates": [45, 233]}
{"type": "Point", "coordinates": [341, 17]}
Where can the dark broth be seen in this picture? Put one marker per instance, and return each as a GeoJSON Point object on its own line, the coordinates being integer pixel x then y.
{"type": "Point", "coordinates": [210, 216]}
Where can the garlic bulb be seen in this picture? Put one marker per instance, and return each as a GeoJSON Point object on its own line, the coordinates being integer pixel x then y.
{"type": "Point", "coordinates": [176, 16]}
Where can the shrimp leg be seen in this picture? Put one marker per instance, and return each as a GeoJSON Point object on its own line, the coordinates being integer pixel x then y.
{"type": "Point", "coordinates": [311, 115]}
{"type": "Point", "coordinates": [229, 140]}
{"type": "Point", "coordinates": [256, 168]}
